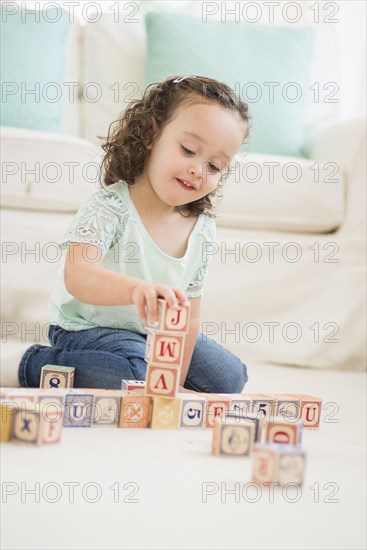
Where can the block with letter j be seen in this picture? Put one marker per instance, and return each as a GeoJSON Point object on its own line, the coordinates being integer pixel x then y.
{"type": "Point", "coordinates": [169, 319]}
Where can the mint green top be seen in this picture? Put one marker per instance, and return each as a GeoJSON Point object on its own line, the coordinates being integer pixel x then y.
{"type": "Point", "coordinates": [109, 220]}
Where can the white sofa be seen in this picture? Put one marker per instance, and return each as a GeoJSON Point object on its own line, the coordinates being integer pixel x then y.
{"type": "Point", "coordinates": [286, 282]}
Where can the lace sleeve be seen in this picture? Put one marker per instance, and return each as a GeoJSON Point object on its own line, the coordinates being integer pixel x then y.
{"type": "Point", "coordinates": [100, 221]}
{"type": "Point", "coordinates": [196, 286]}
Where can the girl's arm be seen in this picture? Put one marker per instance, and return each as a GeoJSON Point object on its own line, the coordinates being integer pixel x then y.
{"type": "Point", "coordinates": [90, 282]}
{"type": "Point", "coordinates": [191, 337]}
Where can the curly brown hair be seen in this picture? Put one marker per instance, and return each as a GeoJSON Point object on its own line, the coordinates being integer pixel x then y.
{"type": "Point", "coordinates": [125, 146]}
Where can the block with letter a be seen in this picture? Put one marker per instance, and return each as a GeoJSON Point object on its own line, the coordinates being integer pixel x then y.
{"type": "Point", "coordinates": [169, 319]}
{"type": "Point", "coordinates": [165, 348]}
{"type": "Point", "coordinates": [162, 380]}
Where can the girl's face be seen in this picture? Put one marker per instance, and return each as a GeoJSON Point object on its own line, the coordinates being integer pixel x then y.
{"type": "Point", "coordinates": [195, 146]}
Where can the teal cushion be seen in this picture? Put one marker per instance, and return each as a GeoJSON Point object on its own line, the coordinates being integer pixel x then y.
{"type": "Point", "coordinates": [240, 54]}
{"type": "Point", "coordinates": [32, 57]}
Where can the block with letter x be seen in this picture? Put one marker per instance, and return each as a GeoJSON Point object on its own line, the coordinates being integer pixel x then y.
{"type": "Point", "coordinates": [165, 349]}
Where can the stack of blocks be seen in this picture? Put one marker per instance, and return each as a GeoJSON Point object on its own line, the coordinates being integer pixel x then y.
{"type": "Point", "coordinates": [164, 357]}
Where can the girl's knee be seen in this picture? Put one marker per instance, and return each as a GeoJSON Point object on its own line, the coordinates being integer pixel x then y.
{"type": "Point", "coordinates": [236, 379]}
{"type": "Point", "coordinates": [231, 380]}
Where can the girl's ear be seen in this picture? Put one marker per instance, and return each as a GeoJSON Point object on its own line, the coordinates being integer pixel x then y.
{"type": "Point", "coordinates": [155, 132]}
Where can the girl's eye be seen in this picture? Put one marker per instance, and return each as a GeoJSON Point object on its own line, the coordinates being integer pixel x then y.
{"type": "Point", "coordinates": [187, 151]}
{"type": "Point", "coordinates": [212, 167]}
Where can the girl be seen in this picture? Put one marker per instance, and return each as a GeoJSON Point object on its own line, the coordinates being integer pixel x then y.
{"type": "Point", "coordinates": [142, 236]}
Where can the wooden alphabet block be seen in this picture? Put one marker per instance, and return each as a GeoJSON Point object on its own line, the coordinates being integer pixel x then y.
{"type": "Point", "coordinates": [136, 411]}
{"type": "Point", "coordinates": [287, 406]}
{"type": "Point", "coordinates": [37, 424]}
{"type": "Point", "coordinates": [258, 421]}
{"type": "Point", "coordinates": [164, 348]}
{"type": "Point", "coordinates": [26, 426]}
{"type": "Point", "coordinates": [21, 395]}
{"type": "Point", "coordinates": [133, 386]}
{"type": "Point", "coordinates": [283, 431]}
{"type": "Point", "coordinates": [217, 406]}
{"type": "Point", "coordinates": [162, 380]}
{"type": "Point", "coordinates": [170, 320]}
{"type": "Point", "coordinates": [7, 411]}
{"type": "Point", "coordinates": [106, 408]}
{"type": "Point", "coordinates": [263, 404]}
{"type": "Point", "coordinates": [192, 411]}
{"type": "Point", "coordinates": [51, 422]}
{"type": "Point", "coordinates": [309, 409]}
{"type": "Point", "coordinates": [166, 413]}
{"type": "Point", "coordinates": [274, 463]}
{"type": "Point", "coordinates": [241, 405]}
{"type": "Point", "coordinates": [233, 438]}
{"type": "Point", "coordinates": [78, 410]}
{"type": "Point", "coordinates": [54, 376]}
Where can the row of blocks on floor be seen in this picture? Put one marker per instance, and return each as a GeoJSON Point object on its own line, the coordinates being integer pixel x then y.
{"type": "Point", "coordinates": [128, 409]}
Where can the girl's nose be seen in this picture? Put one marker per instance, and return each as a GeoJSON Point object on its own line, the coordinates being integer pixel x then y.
{"type": "Point", "coordinates": [195, 170]}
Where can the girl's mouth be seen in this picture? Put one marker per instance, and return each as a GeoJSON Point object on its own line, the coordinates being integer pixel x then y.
{"type": "Point", "coordinates": [185, 185]}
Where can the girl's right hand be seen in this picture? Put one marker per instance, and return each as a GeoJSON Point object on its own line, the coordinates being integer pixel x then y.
{"type": "Point", "coordinates": [145, 297]}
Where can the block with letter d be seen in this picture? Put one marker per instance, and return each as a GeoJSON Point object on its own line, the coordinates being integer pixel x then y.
{"type": "Point", "coordinates": [162, 380]}
{"type": "Point", "coordinates": [169, 319]}
{"type": "Point", "coordinates": [279, 430]}
{"type": "Point", "coordinates": [54, 376]}
{"type": "Point", "coordinates": [165, 348]}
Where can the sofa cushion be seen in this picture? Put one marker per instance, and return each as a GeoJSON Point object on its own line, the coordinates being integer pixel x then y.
{"type": "Point", "coordinates": [282, 193]}
{"type": "Point", "coordinates": [245, 57]}
{"type": "Point", "coordinates": [113, 72]}
{"type": "Point", "coordinates": [33, 66]}
{"type": "Point", "coordinates": [46, 171]}
{"type": "Point", "coordinates": [30, 260]}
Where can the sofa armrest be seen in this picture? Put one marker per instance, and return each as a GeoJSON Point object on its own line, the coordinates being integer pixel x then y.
{"type": "Point", "coordinates": [340, 142]}
{"type": "Point", "coordinates": [344, 143]}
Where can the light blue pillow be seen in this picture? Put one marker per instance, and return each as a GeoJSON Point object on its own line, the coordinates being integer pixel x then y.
{"type": "Point", "coordinates": [239, 54]}
{"type": "Point", "coordinates": [32, 56]}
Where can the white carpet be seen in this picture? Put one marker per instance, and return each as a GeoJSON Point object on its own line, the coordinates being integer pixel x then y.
{"type": "Point", "coordinates": [170, 473]}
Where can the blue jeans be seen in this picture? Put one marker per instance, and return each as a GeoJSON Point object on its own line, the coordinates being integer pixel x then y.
{"type": "Point", "coordinates": [102, 357]}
